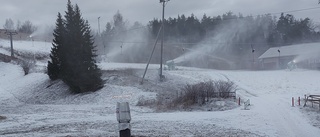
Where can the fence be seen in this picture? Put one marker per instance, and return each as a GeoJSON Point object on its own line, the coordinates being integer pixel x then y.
{"type": "Point", "coordinates": [314, 99]}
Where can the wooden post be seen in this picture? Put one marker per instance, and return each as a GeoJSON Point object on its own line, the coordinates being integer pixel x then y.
{"type": "Point", "coordinates": [292, 101]}
{"type": "Point", "coordinates": [239, 101]}
{"type": "Point", "coordinates": [306, 100]}
{"type": "Point", "coordinates": [299, 101]}
{"type": "Point", "coordinates": [305, 96]}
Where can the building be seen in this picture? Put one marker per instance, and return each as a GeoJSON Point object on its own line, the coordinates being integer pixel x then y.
{"type": "Point", "coordinates": [305, 55]}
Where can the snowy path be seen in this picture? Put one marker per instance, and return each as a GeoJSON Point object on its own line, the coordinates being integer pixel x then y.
{"type": "Point", "coordinates": [6, 80]}
{"type": "Point", "coordinates": [271, 111]}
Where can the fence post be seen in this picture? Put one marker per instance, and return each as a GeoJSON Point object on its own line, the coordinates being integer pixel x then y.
{"type": "Point", "coordinates": [305, 96]}
{"type": "Point", "coordinates": [305, 100]}
{"type": "Point", "coordinates": [239, 101]}
{"type": "Point", "coordinates": [299, 101]}
{"type": "Point", "coordinates": [292, 101]}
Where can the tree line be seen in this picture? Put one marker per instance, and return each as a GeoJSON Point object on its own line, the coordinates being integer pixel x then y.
{"type": "Point", "coordinates": [25, 27]}
{"type": "Point", "coordinates": [265, 29]}
{"type": "Point", "coordinates": [236, 35]}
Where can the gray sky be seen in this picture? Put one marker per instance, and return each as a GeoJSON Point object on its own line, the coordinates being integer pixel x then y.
{"type": "Point", "coordinates": [44, 12]}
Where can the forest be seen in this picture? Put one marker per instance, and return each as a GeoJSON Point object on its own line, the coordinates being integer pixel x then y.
{"type": "Point", "coordinates": [236, 38]}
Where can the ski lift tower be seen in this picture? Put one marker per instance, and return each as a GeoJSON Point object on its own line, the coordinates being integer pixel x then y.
{"type": "Point", "coordinates": [253, 63]}
{"type": "Point", "coordinates": [10, 33]}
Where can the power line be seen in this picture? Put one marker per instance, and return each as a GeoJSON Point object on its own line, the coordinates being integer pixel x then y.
{"type": "Point", "coordinates": [298, 10]}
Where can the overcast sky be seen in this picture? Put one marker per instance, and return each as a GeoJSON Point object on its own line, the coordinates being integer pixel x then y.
{"type": "Point", "coordinates": [44, 12]}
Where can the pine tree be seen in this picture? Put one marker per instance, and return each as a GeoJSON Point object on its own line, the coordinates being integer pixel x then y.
{"type": "Point", "coordinates": [80, 71]}
{"type": "Point", "coordinates": [55, 63]}
{"type": "Point", "coordinates": [93, 74]}
{"type": "Point", "coordinates": [76, 57]}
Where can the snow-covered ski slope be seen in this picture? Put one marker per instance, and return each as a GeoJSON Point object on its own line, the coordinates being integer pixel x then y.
{"type": "Point", "coordinates": [32, 106]}
{"type": "Point", "coordinates": [27, 46]}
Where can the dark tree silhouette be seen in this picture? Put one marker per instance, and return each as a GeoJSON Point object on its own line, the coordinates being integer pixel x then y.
{"type": "Point", "coordinates": [76, 54]}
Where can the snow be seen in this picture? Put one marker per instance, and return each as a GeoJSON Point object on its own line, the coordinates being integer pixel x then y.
{"type": "Point", "coordinates": [293, 50]}
{"type": "Point", "coordinates": [35, 106]}
{"type": "Point", "coordinates": [29, 46]}
{"type": "Point", "coordinates": [117, 66]}
{"type": "Point", "coordinates": [3, 51]}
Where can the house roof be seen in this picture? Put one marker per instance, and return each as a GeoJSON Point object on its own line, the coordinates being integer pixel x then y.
{"type": "Point", "coordinates": [292, 50]}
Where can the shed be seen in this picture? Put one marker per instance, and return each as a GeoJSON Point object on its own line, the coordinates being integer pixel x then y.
{"type": "Point", "coordinates": [305, 55]}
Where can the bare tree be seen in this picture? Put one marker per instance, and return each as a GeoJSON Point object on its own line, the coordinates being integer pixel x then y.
{"type": "Point", "coordinates": [119, 24]}
{"type": "Point", "coordinates": [9, 25]}
{"type": "Point", "coordinates": [18, 26]}
{"type": "Point", "coordinates": [27, 27]}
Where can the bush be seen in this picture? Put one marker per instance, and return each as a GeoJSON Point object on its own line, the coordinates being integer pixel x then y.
{"type": "Point", "coordinates": [145, 102]}
{"type": "Point", "coordinates": [3, 117]}
{"type": "Point", "coordinates": [200, 93]}
{"type": "Point", "coordinates": [26, 65]}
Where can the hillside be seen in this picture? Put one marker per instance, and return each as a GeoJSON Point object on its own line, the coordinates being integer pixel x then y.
{"type": "Point", "coordinates": [35, 106]}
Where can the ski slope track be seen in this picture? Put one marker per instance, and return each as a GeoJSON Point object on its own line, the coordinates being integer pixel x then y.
{"type": "Point", "coordinates": [270, 94]}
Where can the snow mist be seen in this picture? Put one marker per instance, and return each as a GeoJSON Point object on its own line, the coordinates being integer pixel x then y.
{"type": "Point", "coordinates": [218, 48]}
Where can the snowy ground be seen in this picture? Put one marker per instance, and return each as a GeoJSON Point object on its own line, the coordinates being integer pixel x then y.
{"type": "Point", "coordinates": [27, 46]}
{"type": "Point", "coordinates": [35, 106]}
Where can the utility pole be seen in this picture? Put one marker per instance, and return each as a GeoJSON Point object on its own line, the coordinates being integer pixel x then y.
{"type": "Point", "coordinates": [10, 33]}
{"type": "Point", "coordinates": [184, 54]}
{"type": "Point", "coordinates": [99, 25]}
{"type": "Point", "coordinates": [253, 63]}
{"type": "Point", "coordinates": [121, 47]}
{"type": "Point", "coordinates": [154, 47]}
{"type": "Point", "coordinates": [279, 64]}
{"type": "Point", "coordinates": [161, 56]}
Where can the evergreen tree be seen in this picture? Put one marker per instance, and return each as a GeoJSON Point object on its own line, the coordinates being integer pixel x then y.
{"type": "Point", "coordinates": [93, 73]}
{"type": "Point", "coordinates": [67, 52]}
{"type": "Point", "coordinates": [82, 74]}
{"type": "Point", "coordinates": [55, 63]}
{"type": "Point", "coordinates": [76, 56]}
{"type": "Point", "coordinates": [119, 24]}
